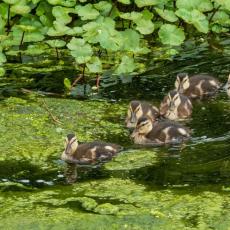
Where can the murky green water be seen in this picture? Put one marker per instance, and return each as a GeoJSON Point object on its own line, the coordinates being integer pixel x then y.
{"type": "Point", "coordinates": [184, 187]}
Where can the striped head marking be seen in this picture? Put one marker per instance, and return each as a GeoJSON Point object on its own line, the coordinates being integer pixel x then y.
{"type": "Point", "coordinates": [71, 144]}
{"type": "Point", "coordinates": [134, 113]}
{"type": "Point", "coordinates": [173, 100]}
{"type": "Point", "coordinates": [182, 82]}
{"type": "Point", "coordinates": [144, 126]}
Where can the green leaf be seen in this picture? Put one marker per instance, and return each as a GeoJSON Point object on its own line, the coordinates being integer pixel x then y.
{"type": "Point", "coordinates": [142, 3]}
{"type": "Point", "coordinates": [127, 65]}
{"type": "Point", "coordinates": [131, 16]}
{"type": "Point", "coordinates": [221, 17]}
{"type": "Point", "coordinates": [94, 65]}
{"type": "Point", "coordinates": [103, 6]}
{"type": "Point", "coordinates": [224, 3]}
{"type": "Point", "coordinates": [81, 51]}
{"type": "Point", "coordinates": [194, 17]}
{"type": "Point", "coordinates": [171, 35]}
{"type": "Point", "coordinates": [127, 2]}
{"type": "Point", "coordinates": [56, 43]}
{"type": "Point", "coordinates": [20, 9]}
{"type": "Point", "coordinates": [4, 11]}
{"type": "Point", "coordinates": [67, 83]}
{"type": "Point", "coordinates": [2, 71]}
{"type": "Point", "coordinates": [201, 5]}
{"type": "Point", "coordinates": [87, 12]}
{"type": "Point", "coordinates": [69, 3]}
{"type": "Point", "coordinates": [58, 29]}
{"type": "Point", "coordinates": [11, 2]}
{"type": "Point", "coordinates": [2, 57]}
{"type": "Point", "coordinates": [62, 14]}
{"type": "Point", "coordinates": [131, 40]}
{"type": "Point", "coordinates": [144, 26]}
{"type": "Point", "coordinates": [168, 15]}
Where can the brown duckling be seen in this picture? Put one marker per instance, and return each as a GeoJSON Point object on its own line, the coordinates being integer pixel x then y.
{"type": "Point", "coordinates": [196, 86]}
{"type": "Point", "coordinates": [88, 153]}
{"type": "Point", "coordinates": [159, 132]}
{"type": "Point", "coordinates": [176, 106]}
{"type": "Point", "coordinates": [138, 109]}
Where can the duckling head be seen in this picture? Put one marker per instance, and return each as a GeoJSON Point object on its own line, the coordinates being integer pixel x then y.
{"type": "Point", "coordinates": [182, 82]}
{"type": "Point", "coordinates": [143, 127]}
{"type": "Point", "coordinates": [71, 144]}
{"type": "Point", "coordinates": [135, 111]}
{"type": "Point", "coordinates": [173, 100]}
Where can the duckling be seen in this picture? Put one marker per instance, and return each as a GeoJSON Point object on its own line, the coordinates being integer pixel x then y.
{"type": "Point", "coordinates": [159, 132]}
{"type": "Point", "coordinates": [196, 86]}
{"type": "Point", "coordinates": [88, 153]}
{"type": "Point", "coordinates": [176, 106]}
{"type": "Point", "coordinates": [138, 109]}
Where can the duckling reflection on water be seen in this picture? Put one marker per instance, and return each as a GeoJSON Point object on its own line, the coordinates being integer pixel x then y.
{"type": "Point", "coordinates": [197, 86]}
{"type": "Point", "coordinates": [176, 106]}
{"type": "Point", "coordinates": [138, 109]}
{"type": "Point", "coordinates": [159, 132]}
{"type": "Point", "coordinates": [87, 153]}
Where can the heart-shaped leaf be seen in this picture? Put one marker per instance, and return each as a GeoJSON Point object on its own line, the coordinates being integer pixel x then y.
{"type": "Point", "coordinates": [144, 26]}
{"type": "Point", "coordinates": [127, 2]}
{"type": "Point", "coordinates": [171, 35]}
{"type": "Point", "coordinates": [56, 43]}
{"type": "Point", "coordinates": [94, 65]}
{"type": "Point", "coordinates": [62, 14]}
{"type": "Point", "coordinates": [127, 65]}
{"type": "Point", "coordinates": [168, 15]}
{"type": "Point", "coordinates": [81, 51]}
{"type": "Point", "coordinates": [103, 6]}
{"type": "Point", "coordinates": [69, 3]}
{"type": "Point", "coordinates": [87, 12]}
{"type": "Point", "coordinates": [142, 3]}
{"type": "Point", "coordinates": [203, 6]}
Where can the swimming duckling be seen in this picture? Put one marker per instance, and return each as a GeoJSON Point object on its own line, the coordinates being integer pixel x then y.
{"type": "Point", "coordinates": [138, 109]}
{"type": "Point", "coordinates": [88, 153]}
{"type": "Point", "coordinates": [176, 106]}
{"type": "Point", "coordinates": [196, 86]}
{"type": "Point", "coordinates": [159, 132]}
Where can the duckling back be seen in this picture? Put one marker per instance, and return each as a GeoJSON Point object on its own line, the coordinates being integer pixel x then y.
{"type": "Point", "coordinates": [89, 153]}
{"type": "Point", "coordinates": [202, 85]}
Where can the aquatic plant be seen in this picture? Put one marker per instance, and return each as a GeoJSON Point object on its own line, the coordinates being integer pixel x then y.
{"type": "Point", "coordinates": [98, 34]}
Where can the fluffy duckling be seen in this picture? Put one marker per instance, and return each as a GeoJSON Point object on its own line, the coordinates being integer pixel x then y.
{"type": "Point", "coordinates": [197, 86]}
{"type": "Point", "coordinates": [159, 132]}
{"type": "Point", "coordinates": [88, 153]}
{"type": "Point", "coordinates": [138, 109]}
{"type": "Point", "coordinates": [176, 106]}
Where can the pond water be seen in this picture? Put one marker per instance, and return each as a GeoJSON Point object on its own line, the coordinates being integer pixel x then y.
{"type": "Point", "coordinates": [180, 187]}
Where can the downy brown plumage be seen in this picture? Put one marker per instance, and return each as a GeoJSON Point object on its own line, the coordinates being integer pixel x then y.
{"type": "Point", "coordinates": [138, 109]}
{"type": "Point", "coordinates": [176, 106]}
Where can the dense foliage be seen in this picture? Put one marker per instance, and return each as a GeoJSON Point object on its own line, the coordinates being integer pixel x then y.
{"type": "Point", "coordinates": [94, 31]}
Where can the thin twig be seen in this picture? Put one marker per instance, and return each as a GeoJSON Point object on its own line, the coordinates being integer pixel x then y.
{"type": "Point", "coordinates": [213, 13]}
{"type": "Point", "coordinates": [42, 93]}
{"type": "Point", "coordinates": [80, 76]}
{"type": "Point", "coordinates": [98, 81]}
{"type": "Point", "coordinates": [50, 113]}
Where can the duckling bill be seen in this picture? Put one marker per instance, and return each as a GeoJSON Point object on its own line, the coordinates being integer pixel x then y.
{"type": "Point", "coordinates": [176, 106]}
{"type": "Point", "coordinates": [138, 109]}
{"type": "Point", "coordinates": [197, 86]}
{"type": "Point", "coordinates": [159, 132]}
{"type": "Point", "coordinates": [88, 153]}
